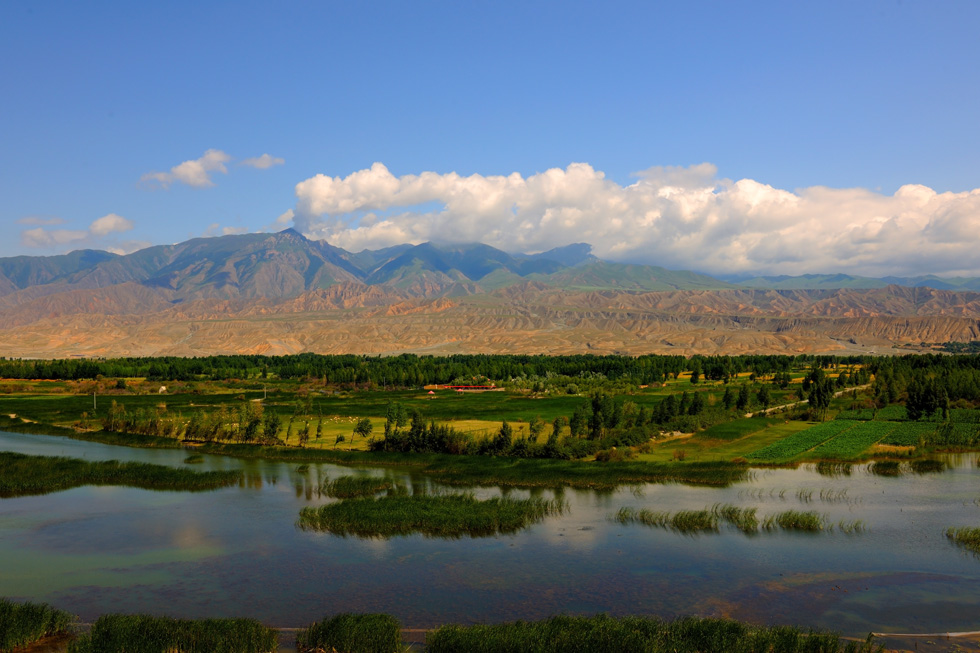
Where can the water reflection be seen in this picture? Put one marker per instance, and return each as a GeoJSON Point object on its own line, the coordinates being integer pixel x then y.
{"type": "Point", "coordinates": [237, 551]}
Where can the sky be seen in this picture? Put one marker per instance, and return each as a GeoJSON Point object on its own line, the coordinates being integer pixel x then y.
{"type": "Point", "coordinates": [729, 138]}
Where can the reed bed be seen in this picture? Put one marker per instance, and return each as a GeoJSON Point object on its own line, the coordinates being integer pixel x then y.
{"type": "Point", "coordinates": [833, 469]}
{"type": "Point", "coordinates": [601, 634]}
{"type": "Point", "coordinates": [22, 624]}
{"type": "Point", "coordinates": [852, 527]}
{"type": "Point", "coordinates": [760, 494]}
{"type": "Point", "coordinates": [744, 519]}
{"type": "Point", "coordinates": [885, 468]}
{"type": "Point", "coordinates": [447, 515]}
{"type": "Point", "coordinates": [194, 459]}
{"type": "Point", "coordinates": [968, 538]}
{"type": "Point", "coordinates": [928, 466]}
{"type": "Point", "coordinates": [22, 475]}
{"type": "Point", "coordinates": [796, 520]}
{"type": "Point", "coordinates": [683, 521]}
{"type": "Point", "coordinates": [116, 633]}
{"type": "Point", "coordinates": [352, 633]}
{"type": "Point", "coordinates": [347, 487]}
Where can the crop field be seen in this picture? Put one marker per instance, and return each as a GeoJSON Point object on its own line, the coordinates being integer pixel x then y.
{"type": "Point", "coordinates": [855, 441]}
{"type": "Point", "coordinates": [736, 429]}
{"type": "Point", "coordinates": [908, 434]}
{"type": "Point", "coordinates": [799, 443]}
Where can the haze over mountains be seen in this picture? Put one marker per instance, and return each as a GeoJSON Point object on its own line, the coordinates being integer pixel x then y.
{"type": "Point", "coordinates": [284, 293]}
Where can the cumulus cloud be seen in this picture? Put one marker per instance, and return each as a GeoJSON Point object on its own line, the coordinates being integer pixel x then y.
{"type": "Point", "coordinates": [263, 162]}
{"type": "Point", "coordinates": [50, 238]}
{"type": "Point", "coordinates": [195, 172]}
{"type": "Point", "coordinates": [678, 217]}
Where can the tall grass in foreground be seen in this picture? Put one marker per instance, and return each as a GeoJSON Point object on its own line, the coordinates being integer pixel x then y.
{"type": "Point", "coordinates": [22, 475]}
{"type": "Point", "coordinates": [448, 515]}
{"type": "Point", "coordinates": [968, 538]}
{"type": "Point", "coordinates": [601, 634]}
{"type": "Point", "coordinates": [346, 487]}
{"type": "Point", "coordinates": [352, 633]}
{"type": "Point", "coordinates": [116, 633]}
{"type": "Point", "coordinates": [25, 623]}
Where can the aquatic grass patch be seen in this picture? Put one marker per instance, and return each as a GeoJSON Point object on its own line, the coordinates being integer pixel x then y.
{"type": "Point", "coordinates": [447, 515]}
{"type": "Point", "coordinates": [194, 459]}
{"type": "Point", "coordinates": [885, 468]}
{"type": "Point", "coordinates": [928, 466]}
{"type": "Point", "coordinates": [346, 487]}
{"type": "Point", "coordinates": [744, 519]}
{"type": "Point", "coordinates": [682, 521]}
{"type": "Point", "coordinates": [796, 520]}
{"type": "Point", "coordinates": [116, 633]}
{"type": "Point", "coordinates": [602, 634]}
{"type": "Point", "coordinates": [968, 538]}
{"type": "Point", "coordinates": [22, 475]}
{"type": "Point", "coordinates": [352, 633]}
{"type": "Point", "coordinates": [22, 624]}
{"type": "Point", "coordinates": [852, 527]}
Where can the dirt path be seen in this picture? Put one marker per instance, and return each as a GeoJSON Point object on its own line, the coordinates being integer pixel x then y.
{"type": "Point", "coordinates": [774, 409]}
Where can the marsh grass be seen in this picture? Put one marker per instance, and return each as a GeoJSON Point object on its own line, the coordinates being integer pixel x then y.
{"type": "Point", "coordinates": [22, 475]}
{"type": "Point", "coordinates": [447, 515]}
{"type": "Point", "coordinates": [885, 468]}
{"type": "Point", "coordinates": [852, 527]}
{"type": "Point", "coordinates": [22, 624]}
{"type": "Point", "coordinates": [116, 633]}
{"type": "Point", "coordinates": [833, 469]}
{"type": "Point", "coordinates": [928, 466]}
{"type": "Point", "coordinates": [352, 633]}
{"type": "Point", "coordinates": [744, 519]}
{"type": "Point", "coordinates": [194, 459]}
{"type": "Point", "coordinates": [968, 538]}
{"type": "Point", "coordinates": [347, 487]}
{"type": "Point", "coordinates": [602, 634]}
{"type": "Point", "coordinates": [796, 520]}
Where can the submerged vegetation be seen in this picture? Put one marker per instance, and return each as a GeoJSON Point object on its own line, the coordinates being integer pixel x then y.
{"type": "Point", "coordinates": [600, 634]}
{"type": "Point", "coordinates": [22, 624]}
{"type": "Point", "coordinates": [22, 475]}
{"type": "Point", "coordinates": [352, 633]}
{"type": "Point", "coordinates": [450, 515]}
{"type": "Point", "coordinates": [117, 633]}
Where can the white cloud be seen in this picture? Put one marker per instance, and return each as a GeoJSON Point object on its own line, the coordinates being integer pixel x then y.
{"type": "Point", "coordinates": [672, 216]}
{"type": "Point", "coordinates": [195, 172]}
{"type": "Point", "coordinates": [49, 238]}
{"type": "Point", "coordinates": [110, 223]}
{"type": "Point", "coordinates": [263, 162]}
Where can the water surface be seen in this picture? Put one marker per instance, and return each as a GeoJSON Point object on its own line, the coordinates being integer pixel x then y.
{"type": "Point", "coordinates": [237, 552]}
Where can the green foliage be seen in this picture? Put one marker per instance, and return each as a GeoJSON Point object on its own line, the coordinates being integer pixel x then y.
{"type": "Point", "coordinates": [22, 624]}
{"type": "Point", "coordinates": [968, 538]}
{"type": "Point", "coordinates": [148, 634]}
{"type": "Point", "coordinates": [854, 441]}
{"type": "Point", "coordinates": [801, 442]}
{"type": "Point", "coordinates": [604, 634]}
{"type": "Point", "coordinates": [346, 487]}
{"type": "Point", "coordinates": [22, 475]}
{"type": "Point", "coordinates": [796, 520]}
{"type": "Point", "coordinates": [451, 515]}
{"type": "Point", "coordinates": [352, 633]}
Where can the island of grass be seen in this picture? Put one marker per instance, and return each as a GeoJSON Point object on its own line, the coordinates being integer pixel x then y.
{"type": "Point", "coordinates": [117, 633]}
{"type": "Point", "coordinates": [448, 515]}
{"type": "Point", "coordinates": [22, 624]}
{"type": "Point", "coordinates": [968, 538]}
{"type": "Point", "coordinates": [348, 487]}
{"type": "Point", "coordinates": [23, 475]}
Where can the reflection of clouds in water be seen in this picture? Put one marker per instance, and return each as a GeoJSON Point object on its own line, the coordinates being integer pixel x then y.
{"type": "Point", "coordinates": [378, 547]}
{"type": "Point", "coordinates": [190, 536]}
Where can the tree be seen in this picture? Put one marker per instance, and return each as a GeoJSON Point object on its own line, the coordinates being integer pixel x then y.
{"type": "Point", "coordinates": [697, 404]}
{"type": "Point", "coordinates": [742, 402]}
{"type": "Point", "coordinates": [764, 397]}
{"type": "Point", "coordinates": [728, 400]}
{"type": "Point", "coordinates": [536, 427]}
{"type": "Point", "coordinates": [363, 428]}
{"type": "Point", "coordinates": [271, 423]}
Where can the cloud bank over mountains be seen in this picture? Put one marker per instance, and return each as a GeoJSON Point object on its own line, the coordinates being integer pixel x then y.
{"type": "Point", "coordinates": [671, 216]}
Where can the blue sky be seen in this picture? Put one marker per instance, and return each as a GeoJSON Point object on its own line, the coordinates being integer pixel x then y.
{"type": "Point", "coordinates": [812, 116]}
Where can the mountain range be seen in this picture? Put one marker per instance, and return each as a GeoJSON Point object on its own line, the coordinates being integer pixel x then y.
{"type": "Point", "coordinates": [284, 293]}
